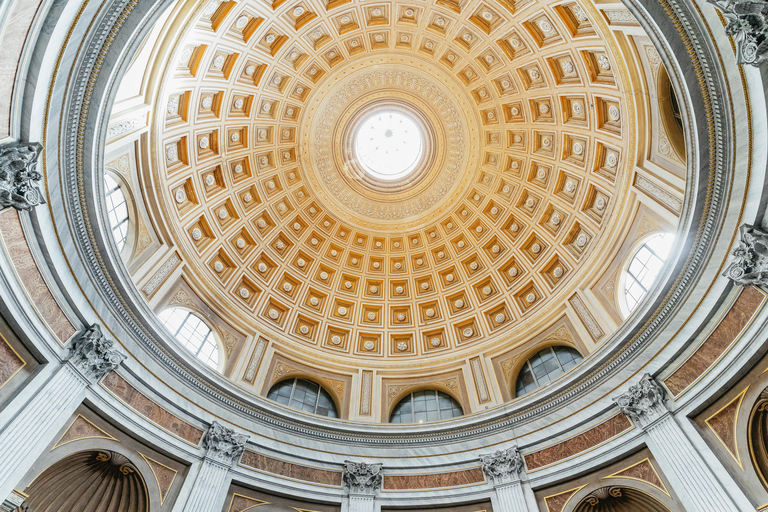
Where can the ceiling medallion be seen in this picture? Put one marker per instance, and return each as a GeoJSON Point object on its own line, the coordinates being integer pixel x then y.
{"type": "Point", "coordinates": [349, 169]}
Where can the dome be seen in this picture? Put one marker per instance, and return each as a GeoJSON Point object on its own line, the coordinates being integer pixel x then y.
{"type": "Point", "coordinates": [373, 255]}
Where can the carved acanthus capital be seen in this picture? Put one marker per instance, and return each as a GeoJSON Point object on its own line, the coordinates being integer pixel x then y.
{"type": "Point", "coordinates": [223, 444]}
{"type": "Point", "coordinates": [748, 24]}
{"type": "Point", "coordinates": [94, 355]}
{"type": "Point", "coordinates": [643, 402]}
{"type": "Point", "coordinates": [19, 178]}
{"type": "Point", "coordinates": [362, 478]}
{"type": "Point", "coordinates": [750, 268]}
{"type": "Point", "coordinates": [503, 466]}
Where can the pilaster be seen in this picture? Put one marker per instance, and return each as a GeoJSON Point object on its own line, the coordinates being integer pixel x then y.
{"type": "Point", "coordinates": [503, 469]}
{"type": "Point", "coordinates": [361, 481]}
{"type": "Point", "coordinates": [223, 446]}
{"type": "Point", "coordinates": [25, 437]}
{"type": "Point", "coordinates": [691, 477]}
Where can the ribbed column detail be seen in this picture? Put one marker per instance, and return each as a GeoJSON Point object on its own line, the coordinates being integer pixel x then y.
{"type": "Point", "coordinates": [510, 498]}
{"type": "Point", "coordinates": [361, 503]}
{"type": "Point", "coordinates": [208, 492]}
{"type": "Point", "coordinates": [26, 436]}
{"type": "Point", "coordinates": [690, 475]}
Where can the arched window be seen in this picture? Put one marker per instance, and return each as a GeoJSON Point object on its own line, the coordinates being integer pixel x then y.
{"type": "Point", "coordinates": [303, 395]}
{"type": "Point", "coordinates": [190, 330]}
{"type": "Point", "coordinates": [546, 365]}
{"type": "Point", "coordinates": [117, 211]}
{"type": "Point", "coordinates": [643, 270]}
{"type": "Point", "coordinates": [426, 405]}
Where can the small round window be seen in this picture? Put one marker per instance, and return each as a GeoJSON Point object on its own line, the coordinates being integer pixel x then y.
{"type": "Point", "coordinates": [644, 269]}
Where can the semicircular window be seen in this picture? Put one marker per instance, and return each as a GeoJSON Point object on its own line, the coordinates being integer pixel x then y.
{"type": "Point", "coordinates": [546, 365]}
{"type": "Point", "coordinates": [303, 395]}
{"type": "Point", "coordinates": [192, 332]}
{"type": "Point", "coordinates": [644, 268]}
{"type": "Point", "coordinates": [426, 405]}
{"type": "Point", "coordinates": [117, 211]}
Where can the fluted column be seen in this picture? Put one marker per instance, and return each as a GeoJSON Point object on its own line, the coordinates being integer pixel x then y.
{"type": "Point", "coordinates": [19, 178]}
{"type": "Point", "coordinates": [24, 437]}
{"type": "Point", "coordinates": [503, 469]}
{"type": "Point", "coordinates": [691, 477]}
{"type": "Point", "coordinates": [361, 481]}
{"type": "Point", "coordinates": [222, 447]}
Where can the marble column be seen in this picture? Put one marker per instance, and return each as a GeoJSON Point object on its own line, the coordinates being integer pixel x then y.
{"type": "Point", "coordinates": [25, 437]}
{"type": "Point", "coordinates": [691, 477]}
{"type": "Point", "coordinates": [503, 469]}
{"type": "Point", "coordinates": [223, 446]}
{"type": "Point", "coordinates": [19, 178]}
{"type": "Point", "coordinates": [361, 481]}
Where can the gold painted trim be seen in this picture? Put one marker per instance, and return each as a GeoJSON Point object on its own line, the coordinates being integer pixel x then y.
{"type": "Point", "coordinates": [147, 459]}
{"type": "Point", "coordinates": [23, 362]}
{"type": "Point", "coordinates": [736, 455]}
{"type": "Point", "coordinates": [232, 502]}
{"type": "Point", "coordinates": [663, 487]}
{"type": "Point", "coordinates": [692, 351]}
{"type": "Point", "coordinates": [577, 433]}
{"type": "Point", "coordinates": [573, 493]}
{"type": "Point", "coordinates": [105, 436]}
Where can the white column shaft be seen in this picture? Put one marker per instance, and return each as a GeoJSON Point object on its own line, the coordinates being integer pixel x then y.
{"type": "Point", "coordinates": [209, 490]}
{"type": "Point", "coordinates": [361, 503]}
{"type": "Point", "coordinates": [693, 481]}
{"type": "Point", "coordinates": [26, 436]}
{"type": "Point", "coordinates": [510, 498]}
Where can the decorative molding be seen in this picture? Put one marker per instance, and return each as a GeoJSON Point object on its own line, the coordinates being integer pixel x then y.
{"type": "Point", "coordinates": [747, 20]}
{"type": "Point", "coordinates": [661, 195]}
{"type": "Point", "coordinates": [479, 376]}
{"type": "Point", "coordinates": [253, 365]}
{"type": "Point", "coordinates": [503, 466]}
{"type": "Point", "coordinates": [366, 391]}
{"type": "Point", "coordinates": [94, 355]}
{"type": "Point", "coordinates": [750, 267]}
{"type": "Point", "coordinates": [643, 402]}
{"type": "Point", "coordinates": [223, 444]}
{"type": "Point", "coordinates": [164, 476]}
{"type": "Point", "coordinates": [620, 17]}
{"type": "Point", "coordinates": [162, 273]}
{"type": "Point", "coordinates": [125, 126]}
{"type": "Point", "coordinates": [19, 178]}
{"type": "Point", "coordinates": [81, 428]}
{"type": "Point", "coordinates": [361, 477]}
{"type": "Point", "coordinates": [586, 317]}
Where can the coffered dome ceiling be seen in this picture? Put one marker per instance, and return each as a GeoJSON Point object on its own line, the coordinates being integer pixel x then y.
{"type": "Point", "coordinates": [509, 191]}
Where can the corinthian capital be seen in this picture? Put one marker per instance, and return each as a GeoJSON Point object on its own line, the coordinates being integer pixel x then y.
{"type": "Point", "coordinates": [223, 444]}
{"type": "Point", "coordinates": [362, 478]}
{"type": "Point", "coordinates": [748, 24]}
{"type": "Point", "coordinates": [643, 402]}
{"type": "Point", "coordinates": [751, 264]}
{"type": "Point", "coordinates": [19, 177]}
{"type": "Point", "coordinates": [503, 466]}
{"type": "Point", "coordinates": [93, 354]}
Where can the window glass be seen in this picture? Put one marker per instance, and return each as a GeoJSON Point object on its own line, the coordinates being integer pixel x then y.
{"type": "Point", "coordinates": [544, 366]}
{"type": "Point", "coordinates": [644, 269]}
{"type": "Point", "coordinates": [117, 211]}
{"type": "Point", "coordinates": [190, 330]}
{"type": "Point", "coordinates": [303, 395]}
{"type": "Point", "coordinates": [425, 405]}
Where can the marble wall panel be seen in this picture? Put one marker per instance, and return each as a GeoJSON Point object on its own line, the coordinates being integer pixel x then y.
{"type": "Point", "coordinates": [31, 278]}
{"type": "Point", "coordinates": [723, 424]}
{"type": "Point", "coordinates": [10, 362]}
{"type": "Point", "coordinates": [17, 27]}
{"type": "Point", "coordinates": [587, 440]}
{"type": "Point", "coordinates": [737, 318]}
{"type": "Point", "coordinates": [279, 467]}
{"type": "Point", "coordinates": [150, 410]}
{"type": "Point", "coordinates": [434, 481]}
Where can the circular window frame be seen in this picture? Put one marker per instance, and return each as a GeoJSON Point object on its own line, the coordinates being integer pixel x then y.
{"type": "Point", "coordinates": [412, 165]}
